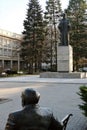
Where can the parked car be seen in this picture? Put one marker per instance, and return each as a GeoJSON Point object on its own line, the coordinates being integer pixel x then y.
{"type": "Point", "coordinates": [84, 69]}
{"type": "Point", "coordinates": [9, 71]}
{"type": "Point", "coordinates": [3, 74]}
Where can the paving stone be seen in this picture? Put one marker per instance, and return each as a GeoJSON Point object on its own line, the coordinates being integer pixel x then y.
{"type": "Point", "coordinates": [61, 98]}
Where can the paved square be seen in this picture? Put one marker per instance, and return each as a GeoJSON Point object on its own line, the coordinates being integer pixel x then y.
{"type": "Point", "coordinates": [61, 97]}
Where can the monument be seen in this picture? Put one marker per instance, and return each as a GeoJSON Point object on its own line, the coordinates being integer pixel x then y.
{"type": "Point", "coordinates": [64, 27]}
{"type": "Point", "coordinates": [64, 51]}
{"type": "Point", "coordinates": [64, 55]}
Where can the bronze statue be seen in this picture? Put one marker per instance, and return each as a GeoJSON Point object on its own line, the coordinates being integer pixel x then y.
{"type": "Point", "coordinates": [32, 117]}
{"type": "Point", "coordinates": [64, 27]}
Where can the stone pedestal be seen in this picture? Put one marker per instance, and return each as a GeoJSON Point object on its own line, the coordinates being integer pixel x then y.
{"type": "Point", "coordinates": [64, 65]}
{"type": "Point", "coordinates": [64, 59]}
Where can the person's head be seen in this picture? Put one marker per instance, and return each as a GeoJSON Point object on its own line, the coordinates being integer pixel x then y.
{"type": "Point", "coordinates": [30, 96]}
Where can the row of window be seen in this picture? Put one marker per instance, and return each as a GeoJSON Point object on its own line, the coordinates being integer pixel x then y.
{"type": "Point", "coordinates": [6, 42]}
{"type": "Point", "coordinates": [9, 43]}
{"type": "Point", "coordinates": [9, 34]}
{"type": "Point", "coordinates": [8, 52]}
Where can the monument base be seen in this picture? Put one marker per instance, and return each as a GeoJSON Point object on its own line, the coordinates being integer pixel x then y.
{"type": "Point", "coordinates": [65, 59]}
{"type": "Point", "coordinates": [63, 75]}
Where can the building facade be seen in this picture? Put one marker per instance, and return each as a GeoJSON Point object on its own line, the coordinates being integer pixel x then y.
{"type": "Point", "coordinates": [10, 50]}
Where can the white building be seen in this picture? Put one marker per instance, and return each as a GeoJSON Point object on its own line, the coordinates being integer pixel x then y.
{"type": "Point", "coordinates": [9, 50]}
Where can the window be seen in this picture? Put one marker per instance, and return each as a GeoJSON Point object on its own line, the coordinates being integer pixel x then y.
{"type": "Point", "coordinates": [1, 51]}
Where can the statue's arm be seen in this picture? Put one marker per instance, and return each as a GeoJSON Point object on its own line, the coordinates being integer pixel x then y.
{"type": "Point", "coordinates": [60, 27]}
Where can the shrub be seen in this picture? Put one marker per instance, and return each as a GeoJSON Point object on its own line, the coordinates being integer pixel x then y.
{"type": "Point", "coordinates": [83, 95]}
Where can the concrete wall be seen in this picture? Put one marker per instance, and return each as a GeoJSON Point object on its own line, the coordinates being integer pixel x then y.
{"type": "Point", "coordinates": [63, 75]}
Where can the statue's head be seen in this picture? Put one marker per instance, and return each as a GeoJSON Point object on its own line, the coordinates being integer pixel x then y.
{"type": "Point", "coordinates": [30, 96]}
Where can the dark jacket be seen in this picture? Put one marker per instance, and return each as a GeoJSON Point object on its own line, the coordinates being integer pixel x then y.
{"type": "Point", "coordinates": [32, 118]}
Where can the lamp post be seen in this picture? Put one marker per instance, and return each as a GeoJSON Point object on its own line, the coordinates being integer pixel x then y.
{"type": "Point", "coordinates": [18, 54]}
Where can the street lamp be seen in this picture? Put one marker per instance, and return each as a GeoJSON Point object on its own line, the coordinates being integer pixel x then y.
{"type": "Point", "coordinates": [18, 54]}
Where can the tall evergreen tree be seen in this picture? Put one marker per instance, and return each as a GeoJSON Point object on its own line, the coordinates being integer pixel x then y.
{"type": "Point", "coordinates": [78, 36]}
{"type": "Point", "coordinates": [53, 10]}
{"type": "Point", "coordinates": [33, 36]}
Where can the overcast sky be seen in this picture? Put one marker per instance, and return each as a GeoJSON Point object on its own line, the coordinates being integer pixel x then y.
{"type": "Point", "coordinates": [13, 12]}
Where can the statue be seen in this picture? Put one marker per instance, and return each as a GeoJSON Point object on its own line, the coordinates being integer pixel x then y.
{"type": "Point", "coordinates": [64, 27]}
{"type": "Point", "coordinates": [32, 117]}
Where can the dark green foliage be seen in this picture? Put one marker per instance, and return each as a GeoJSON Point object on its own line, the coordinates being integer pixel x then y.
{"type": "Point", "coordinates": [53, 10]}
{"type": "Point", "coordinates": [33, 37]}
{"type": "Point", "coordinates": [78, 36]}
{"type": "Point", "coordinates": [83, 95]}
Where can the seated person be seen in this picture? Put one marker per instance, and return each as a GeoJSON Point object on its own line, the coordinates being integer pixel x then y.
{"type": "Point", "coordinates": [32, 117]}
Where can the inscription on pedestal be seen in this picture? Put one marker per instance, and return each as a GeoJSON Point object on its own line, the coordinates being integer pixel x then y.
{"type": "Point", "coordinates": [64, 59]}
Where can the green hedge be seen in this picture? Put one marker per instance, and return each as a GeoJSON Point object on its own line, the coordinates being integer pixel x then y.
{"type": "Point", "coordinates": [83, 95]}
